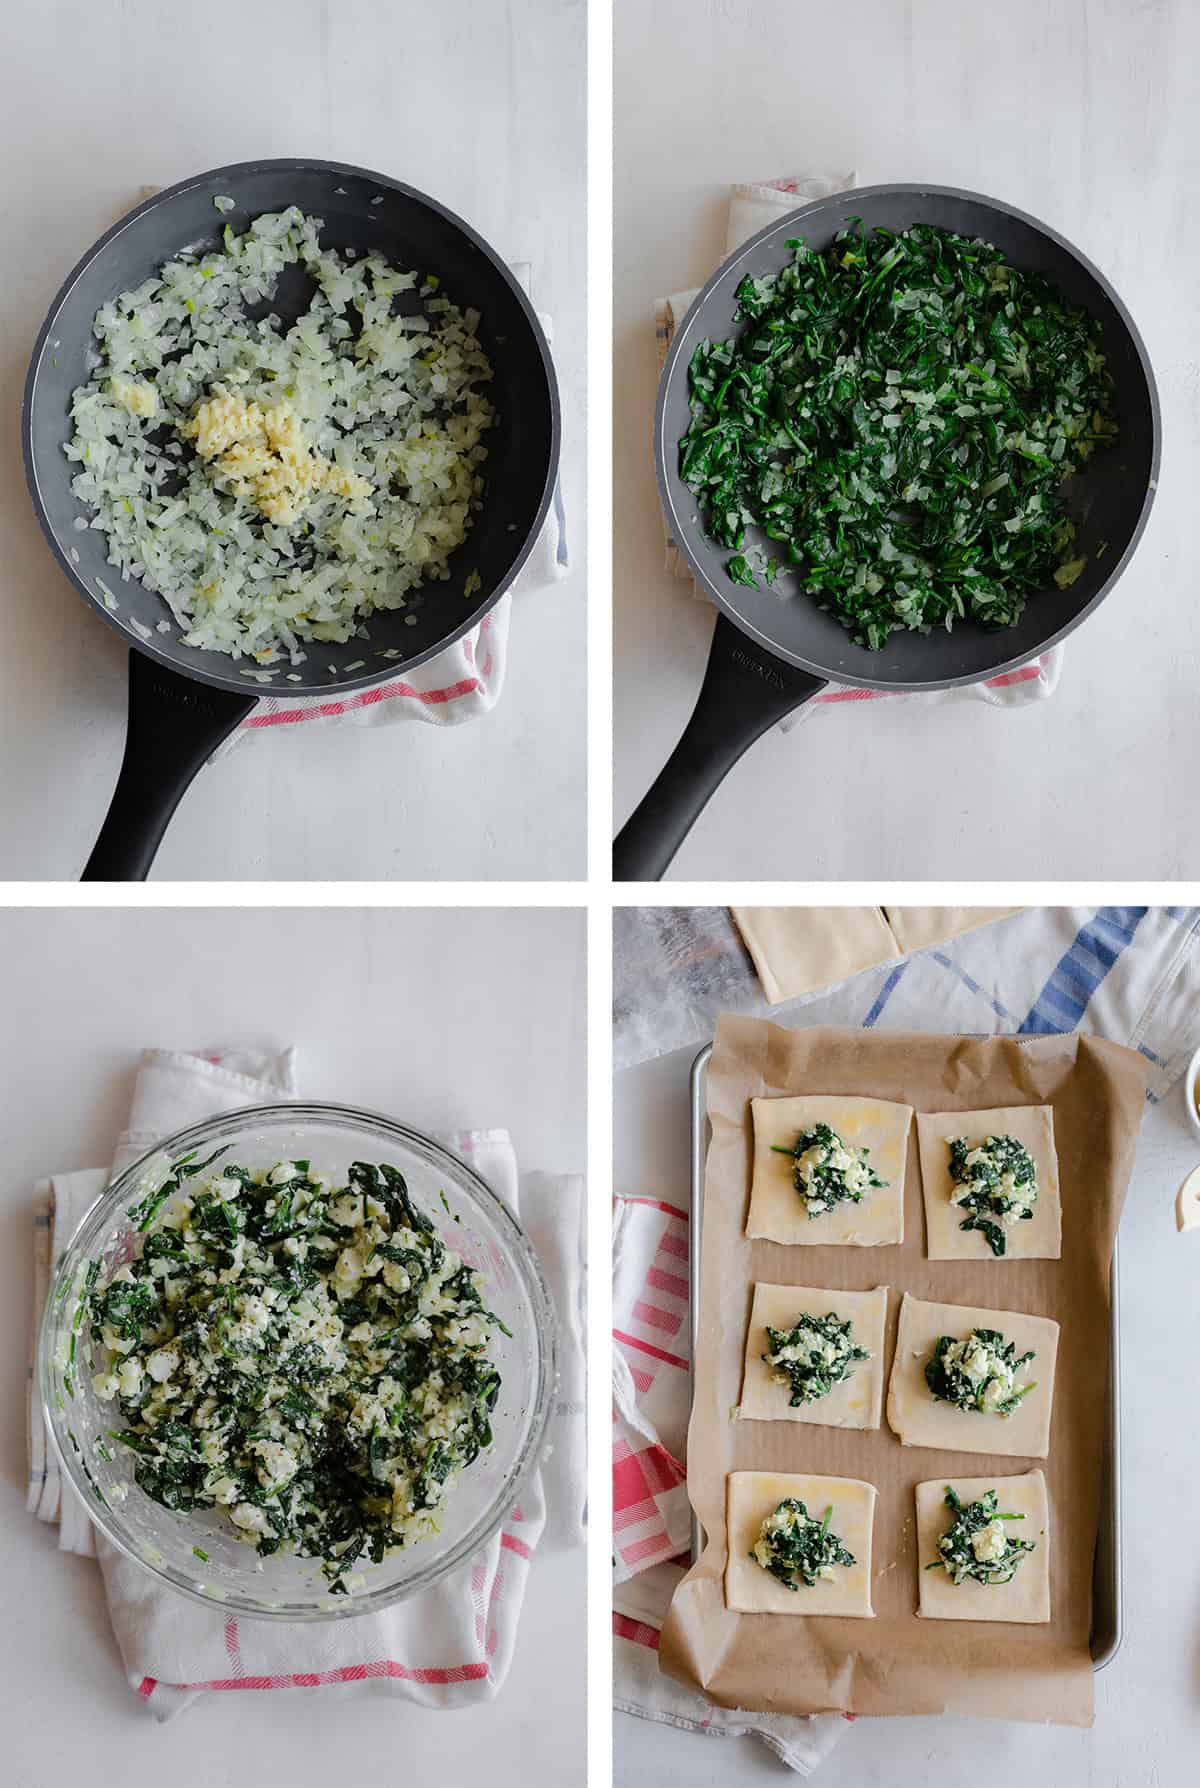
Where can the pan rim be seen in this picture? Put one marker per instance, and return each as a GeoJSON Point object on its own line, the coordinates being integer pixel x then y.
{"type": "Point", "coordinates": [231, 679]}
{"type": "Point", "coordinates": [728, 605]}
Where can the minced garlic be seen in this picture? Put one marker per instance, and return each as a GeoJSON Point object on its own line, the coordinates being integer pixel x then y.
{"type": "Point", "coordinates": [261, 452]}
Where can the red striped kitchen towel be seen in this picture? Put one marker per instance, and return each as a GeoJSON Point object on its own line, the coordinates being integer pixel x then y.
{"type": "Point", "coordinates": [751, 208]}
{"type": "Point", "coordinates": [650, 1383]}
{"type": "Point", "coordinates": [450, 1646]}
{"type": "Point", "coordinates": [651, 1514]}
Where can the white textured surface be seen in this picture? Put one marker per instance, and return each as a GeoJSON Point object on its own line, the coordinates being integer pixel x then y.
{"type": "Point", "coordinates": [1147, 1714]}
{"type": "Point", "coordinates": [446, 1019]}
{"type": "Point", "coordinates": [483, 107]}
{"type": "Point", "coordinates": [1083, 114]}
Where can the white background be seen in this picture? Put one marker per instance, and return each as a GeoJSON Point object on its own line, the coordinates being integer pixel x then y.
{"type": "Point", "coordinates": [1085, 115]}
{"type": "Point", "coordinates": [1147, 1730]}
{"type": "Point", "coordinates": [481, 105]}
{"type": "Point", "coordinates": [443, 1019]}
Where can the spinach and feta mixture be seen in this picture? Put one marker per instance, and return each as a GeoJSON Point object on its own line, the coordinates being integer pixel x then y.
{"type": "Point", "coordinates": [995, 1183]}
{"type": "Point", "coordinates": [796, 1548]}
{"type": "Point", "coordinates": [977, 1546]}
{"type": "Point", "coordinates": [827, 1173]}
{"type": "Point", "coordinates": [309, 1357]}
{"type": "Point", "coordinates": [898, 414]}
{"type": "Point", "coordinates": [813, 1356]}
{"type": "Point", "coordinates": [979, 1372]}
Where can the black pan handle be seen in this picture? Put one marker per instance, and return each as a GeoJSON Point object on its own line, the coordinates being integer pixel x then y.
{"type": "Point", "coordinates": [175, 724]}
{"type": "Point", "coordinates": [746, 690]}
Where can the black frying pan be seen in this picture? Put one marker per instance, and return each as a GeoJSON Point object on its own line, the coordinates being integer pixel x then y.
{"type": "Point", "coordinates": [184, 701]}
{"type": "Point", "coordinates": [773, 652]}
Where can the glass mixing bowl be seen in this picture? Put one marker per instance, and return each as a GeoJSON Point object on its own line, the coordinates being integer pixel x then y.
{"type": "Point", "coordinates": [283, 1586]}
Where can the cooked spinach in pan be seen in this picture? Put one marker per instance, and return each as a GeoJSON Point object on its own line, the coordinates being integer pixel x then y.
{"type": "Point", "coordinates": [898, 415]}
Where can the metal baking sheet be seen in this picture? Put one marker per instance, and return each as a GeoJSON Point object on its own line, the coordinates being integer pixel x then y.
{"type": "Point", "coordinates": [1106, 1572]}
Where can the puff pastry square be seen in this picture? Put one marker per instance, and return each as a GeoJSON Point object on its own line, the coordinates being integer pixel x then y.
{"type": "Point", "coordinates": [1026, 1600]}
{"type": "Point", "coordinates": [857, 1401]}
{"type": "Point", "coordinates": [777, 1212]}
{"type": "Point", "coordinates": [922, 1420]}
{"type": "Point", "coordinates": [753, 1495]}
{"type": "Point", "coordinates": [1040, 1238]}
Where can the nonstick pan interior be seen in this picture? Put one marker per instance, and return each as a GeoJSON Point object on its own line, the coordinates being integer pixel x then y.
{"type": "Point", "coordinates": [1109, 501]}
{"type": "Point", "coordinates": [361, 211]}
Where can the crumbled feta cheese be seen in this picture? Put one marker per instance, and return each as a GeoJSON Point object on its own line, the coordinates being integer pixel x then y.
{"type": "Point", "coordinates": [347, 1212]}
{"type": "Point", "coordinates": [161, 1363]}
{"type": "Point", "coordinates": [253, 1320]}
{"type": "Point", "coordinates": [467, 1331]}
{"type": "Point", "coordinates": [250, 1519]}
{"type": "Point", "coordinates": [349, 1268]}
{"type": "Point", "coordinates": [989, 1543]}
{"type": "Point", "coordinates": [277, 1465]}
{"type": "Point", "coordinates": [997, 1389]}
{"type": "Point", "coordinates": [129, 1378]}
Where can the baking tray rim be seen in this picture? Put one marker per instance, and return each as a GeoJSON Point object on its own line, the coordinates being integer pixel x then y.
{"type": "Point", "coordinates": [1107, 1625]}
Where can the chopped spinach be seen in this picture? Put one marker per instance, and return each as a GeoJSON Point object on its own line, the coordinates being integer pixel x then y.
{"type": "Point", "coordinates": [817, 1353]}
{"type": "Point", "coordinates": [129, 1306]}
{"type": "Point", "coordinates": [312, 1359]}
{"type": "Point", "coordinates": [827, 1173]}
{"type": "Point", "coordinates": [898, 414]}
{"type": "Point", "coordinates": [976, 1546]}
{"type": "Point", "coordinates": [998, 1181]}
{"type": "Point", "coordinates": [978, 1372]}
{"type": "Point", "coordinates": [185, 1168]}
{"type": "Point", "coordinates": [796, 1548]}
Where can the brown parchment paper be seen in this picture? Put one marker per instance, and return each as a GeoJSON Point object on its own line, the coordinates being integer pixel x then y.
{"type": "Point", "coordinates": [898, 1663]}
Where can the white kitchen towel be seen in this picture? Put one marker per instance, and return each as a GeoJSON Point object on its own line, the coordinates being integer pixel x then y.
{"type": "Point", "coordinates": [448, 1647]}
{"type": "Point", "coordinates": [751, 208]}
{"type": "Point", "coordinates": [553, 1217]}
{"type": "Point", "coordinates": [1131, 974]}
{"type": "Point", "coordinates": [642, 1689]}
